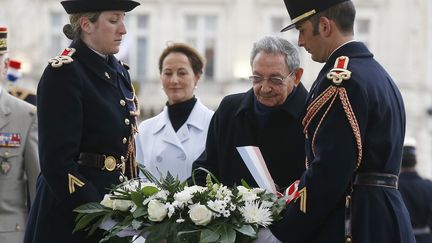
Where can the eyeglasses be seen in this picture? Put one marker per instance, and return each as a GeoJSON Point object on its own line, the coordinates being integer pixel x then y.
{"type": "Point", "coordinates": [275, 80]}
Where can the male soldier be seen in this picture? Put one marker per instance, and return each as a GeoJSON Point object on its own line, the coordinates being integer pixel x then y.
{"type": "Point", "coordinates": [19, 163]}
{"type": "Point", "coordinates": [13, 75]}
{"type": "Point", "coordinates": [354, 127]}
{"type": "Point", "coordinates": [417, 194]}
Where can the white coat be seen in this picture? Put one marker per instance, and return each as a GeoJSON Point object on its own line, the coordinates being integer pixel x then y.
{"type": "Point", "coordinates": [161, 149]}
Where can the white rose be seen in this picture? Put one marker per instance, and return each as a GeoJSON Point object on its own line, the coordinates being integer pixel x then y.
{"type": "Point", "coordinates": [200, 214]}
{"type": "Point", "coordinates": [122, 205]}
{"type": "Point", "coordinates": [157, 211]}
{"type": "Point", "coordinates": [107, 201]}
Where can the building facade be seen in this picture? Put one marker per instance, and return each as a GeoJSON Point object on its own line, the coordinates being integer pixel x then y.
{"type": "Point", "coordinates": [223, 31]}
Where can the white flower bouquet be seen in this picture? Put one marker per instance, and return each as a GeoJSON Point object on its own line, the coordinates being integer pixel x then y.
{"type": "Point", "coordinates": [170, 211]}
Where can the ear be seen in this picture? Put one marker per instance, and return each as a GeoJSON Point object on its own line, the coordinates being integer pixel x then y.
{"type": "Point", "coordinates": [197, 77]}
{"type": "Point", "coordinates": [86, 25]}
{"type": "Point", "coordinates": [298, 74]}
{"type": "Point", "coordinates": [325, 27]}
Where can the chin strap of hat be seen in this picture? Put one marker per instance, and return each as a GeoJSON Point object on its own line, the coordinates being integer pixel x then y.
{"type": "Point", "coordinates": [337, 75]}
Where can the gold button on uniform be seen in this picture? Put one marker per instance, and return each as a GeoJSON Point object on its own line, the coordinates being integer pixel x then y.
{"type": "Point", "coordinates": [126, 121]}
{"type": "Point", "coordinates": [18, 227]}
{"type": "Point", "coordinates": [124, 140]}
{"type": "Point", "coordinates": [122, 102]}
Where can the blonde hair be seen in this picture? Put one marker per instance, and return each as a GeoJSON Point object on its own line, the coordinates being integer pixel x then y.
{"type": "Point", "coordinates": [73, 30]}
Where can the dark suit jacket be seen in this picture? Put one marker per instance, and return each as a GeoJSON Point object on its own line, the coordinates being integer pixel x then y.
{"type": "Point", "coordinates": [378, 213]}
{"type": "Point", "coordinates": [234, 124]}
{"type": "Point", "coordinates": [80, 111]}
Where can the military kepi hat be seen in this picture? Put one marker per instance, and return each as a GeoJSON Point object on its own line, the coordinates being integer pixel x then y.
{"type": "Point", "coordinates": [83, 6]}
{"type": "Point", "coordinates": [300, 10]}
{"type": "Point", "coordinates": [3, 40]}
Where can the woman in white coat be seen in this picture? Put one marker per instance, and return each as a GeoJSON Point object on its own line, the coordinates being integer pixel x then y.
{"type": "Point", "coordinates": [175, 138]}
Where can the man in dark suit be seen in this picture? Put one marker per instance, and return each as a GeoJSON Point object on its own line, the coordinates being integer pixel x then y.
{"type": "Point", "coordinates": [417, 194]}
{"type": "Point", "coordinates": [266, 116]}
{"type": "Point", "coordinates": [354, 127]}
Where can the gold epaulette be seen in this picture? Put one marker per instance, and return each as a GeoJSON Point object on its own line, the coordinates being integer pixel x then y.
{"type": "Point", "coordinates": [65, 57]}
{"type": "Point", "coordinates": [337, 74]}
{"type": "Point", "coordinates": [20, 92]}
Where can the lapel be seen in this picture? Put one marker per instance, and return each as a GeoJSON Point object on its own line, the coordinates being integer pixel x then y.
{"type": "Point", "coordinates": [167, 133]}
{"type": "Point", "coordinates": [95, 63]}
{"type": "Point", "coordinates": [5, 109]}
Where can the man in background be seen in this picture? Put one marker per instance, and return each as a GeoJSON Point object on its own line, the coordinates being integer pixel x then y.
{"type": "Point", "coordinates": [19, 162]}
{"type": "Point", "coordinates": [416, 193]}
{"type": "Point", "coordinates": [13, 74]}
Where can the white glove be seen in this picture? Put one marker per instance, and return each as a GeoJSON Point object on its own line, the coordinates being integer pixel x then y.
{"type": "Point", "coordinates": [266, 236]}
{"type": "Point", "coordinates": [109, 223]}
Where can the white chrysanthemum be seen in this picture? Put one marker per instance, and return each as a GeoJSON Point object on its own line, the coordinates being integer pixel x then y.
{"type": "Point", "coordinates": [223, 192]}
{"type": "Point", "coordinates": [226, 213]}
{"type": "Point", "coordinates": [232, 207]}
{"type": "Point", "coordinates": [254, 212]}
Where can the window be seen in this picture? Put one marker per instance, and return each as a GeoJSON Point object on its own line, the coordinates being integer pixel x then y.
{"type": "Point", "coordinates": [57, 40]}
{"type": "Point", "coordinates": [134, 49]}
{"type": "Point", "coordinates": [201, 34]}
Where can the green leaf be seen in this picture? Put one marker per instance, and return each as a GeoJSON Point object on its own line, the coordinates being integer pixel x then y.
{"type": "Point", "coordinates": [149, 190]}
{"type": "Point", "coordinates": [227, 233]}
{"type": "Point", "coordinates": [188, 236]}
{"type": "Point", "coordinates": [140, 211]}
{"type": "Point", "coordinates": [245, 184]}
{"type": "Point", "coordinates": [247, 230]}
{"type": "Point", "coordinates": [85, 220]}
{"type": "Point", "coordinates": [209, 236]}
{"type": "Point", "coordinates": [92, 207]}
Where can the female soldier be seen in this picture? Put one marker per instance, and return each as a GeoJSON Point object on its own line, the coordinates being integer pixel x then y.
{"type": "Point", "coordinates": [86, 111]}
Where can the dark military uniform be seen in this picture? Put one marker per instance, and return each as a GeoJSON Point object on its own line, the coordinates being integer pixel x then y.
{"type": "Point", "coordinates": [417, 195]}
{"type": "Point", "coordinates": [86, 123]}
{"type": "Point", "coordinates": [354, 126]}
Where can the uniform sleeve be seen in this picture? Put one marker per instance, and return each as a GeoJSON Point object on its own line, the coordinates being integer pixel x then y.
{"type": "Point", "coordinates": [31, 158]}
{"type": "Point", "coordinates": [209, 158]}
{"type": "Point", "coordinates": [60, 114]}
{"type": "Point", "coordinates": [330, 172]}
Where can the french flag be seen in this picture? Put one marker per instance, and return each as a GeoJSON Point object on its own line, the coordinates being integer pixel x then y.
{"type": "Point", "coordinates": [14, 72]}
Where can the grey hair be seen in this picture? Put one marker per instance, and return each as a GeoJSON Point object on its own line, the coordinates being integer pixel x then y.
{"type": "Point", "coordinates": [277, 45]}
{"type": "Point", "coordinates": [73, 30]}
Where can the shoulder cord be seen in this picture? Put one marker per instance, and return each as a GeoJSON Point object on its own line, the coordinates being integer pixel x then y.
{"type": "Point", "coordinates": [312, 110]}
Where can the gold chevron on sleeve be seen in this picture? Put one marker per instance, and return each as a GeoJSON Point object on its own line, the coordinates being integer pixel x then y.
{"type": "Point", "coordinates": [74, 181]}
{"type": "Point", "coordinates": [302, 196]}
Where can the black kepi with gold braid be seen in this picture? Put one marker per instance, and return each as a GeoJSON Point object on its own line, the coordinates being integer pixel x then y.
{"type": "Point", "coordinates": [3, 40]}
{"type": "Point", "coordinates": [299, 10]}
